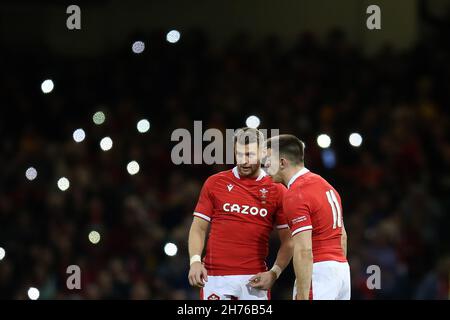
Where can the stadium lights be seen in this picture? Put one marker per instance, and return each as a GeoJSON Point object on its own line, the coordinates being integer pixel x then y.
{"type": "Point", "coordinates": [133, 167]}
{"type": "Point", "coordinates": [63, 184]}
{"type": "Point", "coordinates": [138, 47]}
{"type": "Point", "coordinates": [106, 143]}
{"type": "Point", "coordinates": [252, 122]}
{"type": "Point", "coordinates": [47, 86]}
{"type": "Point", "coordinates": [323, 141]}
{"type": "Point", "coordinates": [170, 249]}
{"type": "Point", "coordinates": [31, 173]}
{"type": "Point", "coordinates": [173, 36]}
{"type": "Point", "coordinates": [355, 139]}
{"type": "Point", "coordinates": [33, 293]}
{"type": "Point", "coordinates": [2, 253]}
{"type": "Point", "coordinates": [99, 117]}
{"type": "Point", "coordinates": [143, 126]}
{"type": "Point", "coordinates": [79, 135]}
{"type": "Point", "coordinates": [94, 237]}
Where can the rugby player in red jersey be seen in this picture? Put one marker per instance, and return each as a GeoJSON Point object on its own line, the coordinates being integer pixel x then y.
{"type": "Point", "coordinates": [314, 212]}
{"type": "Point", "coordinates": [241, 206]}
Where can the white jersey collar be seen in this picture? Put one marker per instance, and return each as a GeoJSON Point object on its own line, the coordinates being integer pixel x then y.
{"type": "Point", "coordinates": [262, 174]}
{"type": "Point", "coordinates": [295, 176]}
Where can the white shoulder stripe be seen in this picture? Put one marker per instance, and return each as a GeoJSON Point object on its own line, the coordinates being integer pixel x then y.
{"type": "Point", "coordinates": [301, 229]}
{"type": "Point", "coordinates": [203, 216]}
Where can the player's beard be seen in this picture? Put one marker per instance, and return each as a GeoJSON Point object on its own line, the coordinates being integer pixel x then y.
{"type": "Point", "coordinates": [277, 178]}
{"type": "Point", "coordinates": [274, 172]}
{"type": "Point", "coordinates": [248, 170]}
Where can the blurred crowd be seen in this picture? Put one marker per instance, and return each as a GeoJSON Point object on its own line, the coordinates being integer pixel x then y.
{"type": "Point", "coordinates": [394, 188]}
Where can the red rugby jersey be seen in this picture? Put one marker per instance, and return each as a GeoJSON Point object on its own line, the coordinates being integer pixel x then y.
{"type": "Point", "coordinates": [311, 203]}
{"type": "Point", "coordinates": [242, 212]}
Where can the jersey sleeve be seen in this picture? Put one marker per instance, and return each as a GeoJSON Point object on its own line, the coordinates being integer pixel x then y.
{"type": "Point", "coordinates": [298, 212]}
{"type": "Point", "coordinates": [204, 208]}
{"type": "Point", "coordinates": [281, 221]}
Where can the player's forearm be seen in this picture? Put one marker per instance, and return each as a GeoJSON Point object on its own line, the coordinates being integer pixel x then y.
{"type": "Point", "coordinates": [284, 255]}
{"type": "Point", "coordinates": [196, 241]}
{"type": "Point", "coordinates": [344, 245]}
{"type": "Point", "coordinates": [344, 241]}
{"type": "Point", "coordinates": [303, 264]}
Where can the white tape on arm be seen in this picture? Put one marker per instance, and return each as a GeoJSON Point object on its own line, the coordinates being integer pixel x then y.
{"type": "Point", "coordinates": [195, 258]}
{"type": "Point", "coordinates": [277, 270]}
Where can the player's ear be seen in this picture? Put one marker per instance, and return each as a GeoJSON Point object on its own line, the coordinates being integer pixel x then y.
{"type": "Point", "coordinates": [283, 163]}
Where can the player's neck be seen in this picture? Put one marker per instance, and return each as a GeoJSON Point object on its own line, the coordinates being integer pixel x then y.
{"type": "Point", "coordinates": [256, 174]}
{"type": "Point", "coordinates": [290, 172]}
{"type": "Point", "coordinates": [252, 176]}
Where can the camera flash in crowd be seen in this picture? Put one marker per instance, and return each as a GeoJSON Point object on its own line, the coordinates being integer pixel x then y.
{"type": "Point", "coordinates": [133, 167]}
{"type": "Point", "coordinates": [79, 135]}
{"type": "Point", "coordinates": [355, 139]}
{"type": "Point", "coordinates": [170, 249]}
{"type": "Point", "coordinates": [94, 237]}
{"type": "Point", "coordinates": [31, 173]}
{"type": "Point", "coordinates": [33, 293]}
{"type": "Point", "coordinates": [106, 143]}
{"type": "Point", "coordinates": [99, 117]}
{"type": "Point", "coordinates": [63, 184]}
{"type": "Point", "coordinates": [47, 86]}
{"type": "Point", "coordinates": [138, 47]}
{"type": "Point", "coordinates": [173, 36]}
{"type": "Point", "coordinates": [143, 126]}
{"type": "Point", "coordinates": [252, 122]}
{"type": "Point", "coordinates": [323, 141]}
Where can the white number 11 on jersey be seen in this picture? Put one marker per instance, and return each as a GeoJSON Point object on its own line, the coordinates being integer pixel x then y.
{"type": "Point", "coordinates": [335, 208]}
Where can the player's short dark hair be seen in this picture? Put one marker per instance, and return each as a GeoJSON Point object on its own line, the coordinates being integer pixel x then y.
{"type": "Point", "coordinates": [248, 135]}
{"type": "Point", "coordinates": [289, 146]}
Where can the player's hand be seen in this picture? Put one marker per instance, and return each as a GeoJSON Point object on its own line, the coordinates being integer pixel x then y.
{"type": "Point", "coordinates": [198, 275]}
{"type": "Point", "coordinates": [263, 280]}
